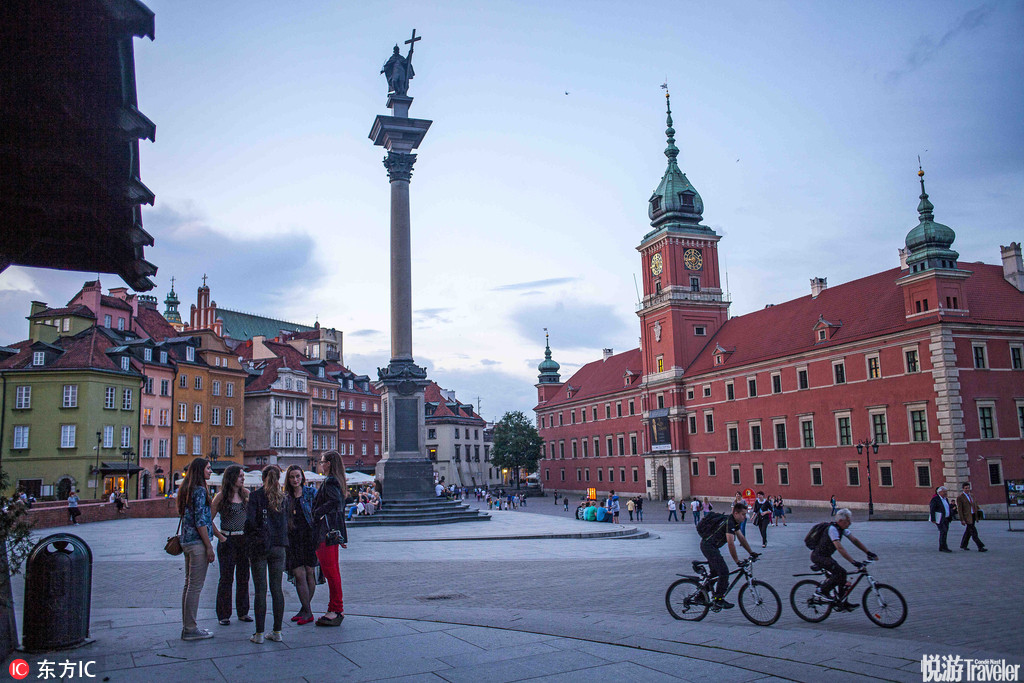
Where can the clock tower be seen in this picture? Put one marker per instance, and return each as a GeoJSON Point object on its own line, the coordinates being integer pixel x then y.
{"type": "Point", "coordinates": [682, 308]}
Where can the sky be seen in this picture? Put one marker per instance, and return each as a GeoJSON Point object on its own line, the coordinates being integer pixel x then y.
{"type": "Point", "coordinates": [800, 124]}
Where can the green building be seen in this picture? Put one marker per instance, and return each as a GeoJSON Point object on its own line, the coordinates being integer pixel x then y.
{"type": "Point", "coordinates": [69, 416]}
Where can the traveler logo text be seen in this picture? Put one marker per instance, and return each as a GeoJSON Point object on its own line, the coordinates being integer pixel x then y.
{"type": "Point", "coordinates": [20, 669]}
{"type": "Point", "coordinates": [956, 668]}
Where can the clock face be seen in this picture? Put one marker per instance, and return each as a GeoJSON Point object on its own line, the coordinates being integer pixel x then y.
{"type": "Point", "coordinates": [692, 259]}
{"type": "Point", "coordinates": [656, 264]}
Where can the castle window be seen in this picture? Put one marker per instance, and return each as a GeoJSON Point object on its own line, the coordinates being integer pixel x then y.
{"type": "Point", "coordinates": [694, 284]}
{"type": "Point", "coordinates": [657, 286]}
{"type": "Point", "coordinates": [655, 203]}
{"type": "Point", "coordinates": [700, 331]}
{"type": "Point", "coordinates": [686, 200]}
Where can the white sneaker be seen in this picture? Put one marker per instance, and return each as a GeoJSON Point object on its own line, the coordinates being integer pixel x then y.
{"type": "Point", "coordinates": [257, 638]}
{"type": "Point", "coordinates": [275, 636]}
{"type": "Point", "coordinates": [196, 634]}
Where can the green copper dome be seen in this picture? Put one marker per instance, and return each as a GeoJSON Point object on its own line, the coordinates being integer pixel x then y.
{"type": "Point", "coordinates": [171, 312]}
{"type": "Point", "coordinates": [928, 244]}
{"type": "Point", "coordinates": [548, 368]}
{"type": "Point", "coordinates": [675, 203]}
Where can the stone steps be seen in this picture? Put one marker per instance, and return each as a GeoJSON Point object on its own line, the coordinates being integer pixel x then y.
{"type": "Point", "coordinates": [420, 511]}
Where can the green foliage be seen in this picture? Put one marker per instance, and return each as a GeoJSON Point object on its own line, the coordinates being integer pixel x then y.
{"type": "Point", "coordinates": [15, 529]}
{"type": "Point", "coordinates": [517, 445]}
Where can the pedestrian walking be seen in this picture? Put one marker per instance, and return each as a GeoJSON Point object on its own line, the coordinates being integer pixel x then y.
{"type": "Point", "coordinates": [762, 516]}
{"type": "Point", "coordinates": [639, 508]}
{"type": "Point", "coordinates": [940, 514]}
{"type": "Point", "coordinates": [672, 510]}
{"type": "Point", "coordinates": [969, 513]}
{"type": "Point", "coordinates": [565, 503]}
{"type": "Point", "coordinates": [556, 498]}
{"type": "Point", "coordinates": [695, 510]}
{"type": "Point", "coordinates": [266, 533]}
{"type": "Point", "coordinates": [329, 532]}
{"type": "Point", "coordinates": [630, 506]}
{"type": "Point", "coordinates": [681, 506]}
{"type": "Point", "coordinates": [73, 511]}
{"type": "Point", "coordinates": [300, 560]}
{"type": "Point", "coordinates": [706, 507]}
{"type": "Point", "coordinates": [232, 554]}
{"type": "Point", "coordinates": [197, 530]}
{"type": "Point", "coordinates": [833, 503]}
{"type": "Point", "coordinates": [780, 511]}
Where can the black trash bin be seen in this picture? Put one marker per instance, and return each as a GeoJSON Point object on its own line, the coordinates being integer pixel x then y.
{"type": "Point", "coordinates": [58, 594]}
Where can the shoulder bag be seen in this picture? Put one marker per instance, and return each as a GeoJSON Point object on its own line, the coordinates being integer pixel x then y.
{"type": "Point", "coordinates": [173, 545]}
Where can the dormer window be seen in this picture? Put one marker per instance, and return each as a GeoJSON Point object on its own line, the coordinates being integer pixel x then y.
{"type": "Point", "coordinates": [190, 354]}
{"type": "Point", "coordinates": [686, 200]}
{"type": "Point", "coordinates": [163, 356]}
{"type": "Point", "coordinates": [126, 363]}
{"type": "Point", "coordinates": [147, 355]}
{"type": "Point", "coordinates": [655, 203]}
{"type": "Point", "coordinates": [821, 335]}
{"type": "Point", "coordinates": [38, 358]}
{"type": "Point", "coordinates": [719, 359]}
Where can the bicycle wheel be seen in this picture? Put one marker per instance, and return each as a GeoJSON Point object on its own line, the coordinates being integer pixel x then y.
{"type": "Point", "coordinates": [685, 599]}
{"type": "Point", "coordinates": [806, 605]}
{"type": "Point", "coordinates": [760, 603]}
{"type": "Point", "coordinates": [884, 605]}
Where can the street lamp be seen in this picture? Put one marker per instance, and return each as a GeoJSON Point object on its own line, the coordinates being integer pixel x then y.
{"type": "Point", "coordinates": [871, 446]}
{"type": "Point", "coordinates": [96, 470]}
{"type": "Point", "coordinates": [127, 455]}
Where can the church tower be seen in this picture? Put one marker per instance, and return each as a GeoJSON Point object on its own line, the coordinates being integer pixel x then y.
{"type": "Point", "coordinates": [171, 314]}
{"type": "Point", "coordinates": [683, 304]}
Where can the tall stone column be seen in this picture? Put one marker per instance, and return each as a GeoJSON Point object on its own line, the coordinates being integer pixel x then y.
{"type": "Point", "coordinates": [404, 470]}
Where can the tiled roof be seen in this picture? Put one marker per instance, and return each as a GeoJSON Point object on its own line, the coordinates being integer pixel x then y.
{"type": "Point", "coordinates": [114, 302]}
{"type": "Point", "coordinates": [600, 378]}
{"type": "Point", "coordinates": [443, 408]}
{"type": "Point", "coordinates": [154, 325]}
{"type": "Point", "coordinates": [869, 307]}
{"type": "Point", "coordinates": [78, 309]}
{"type": "Point", "coordinates": [83, 351]}
{"type": "Point", "coordinates": [238, 325]}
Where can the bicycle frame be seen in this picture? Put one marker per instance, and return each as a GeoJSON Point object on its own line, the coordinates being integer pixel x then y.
{"type": "Point", "coordinates": [707, 580]}
{"type": "Point", "coordinates": [861, 574]}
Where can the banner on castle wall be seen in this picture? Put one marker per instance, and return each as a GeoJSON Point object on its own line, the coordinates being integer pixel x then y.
{"type": "Point", "coordinates": [661, 438]}
{"type": "Point", "coordinates": [1015, 492]}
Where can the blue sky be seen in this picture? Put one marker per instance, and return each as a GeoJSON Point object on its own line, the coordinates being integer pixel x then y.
{"type": "Point", "coordinates": [799, 123]}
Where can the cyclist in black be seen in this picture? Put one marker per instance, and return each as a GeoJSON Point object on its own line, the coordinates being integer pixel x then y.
{"type": "Point", "coordinates": [831, 541]}
{"type": "Point", "coordinates": [726, 530]}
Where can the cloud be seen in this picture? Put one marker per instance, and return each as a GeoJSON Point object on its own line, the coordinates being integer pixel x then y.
{"type": "Point", "coordinates": [252, 274]}
{"type": "Point", "coordinates": [927, 48]}
{"type": "Point", "coordinates": [488, 361]}
{"type": "Point", "coordinates": [574, 324]}
{"type": "Point", "coordinates": [433, 315]}
{"type": "Point", "coordinates": [550, 282]}
{"type": "Point", "coordinates": [19, 286]}
{"type": "Point", "coordinates": [364, 333]}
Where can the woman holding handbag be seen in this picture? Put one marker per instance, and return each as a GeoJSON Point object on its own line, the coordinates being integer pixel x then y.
{"type": "Point", "coordinates": [232, 554]}
{"type": "Point", "coordinates": [329, 532]}
{"type": "Point", "coordinates": [197, 528]}
{"type": "Point", "coordinates": [266, 533]}
{"type": "Point", "coordinates": [301, 560]}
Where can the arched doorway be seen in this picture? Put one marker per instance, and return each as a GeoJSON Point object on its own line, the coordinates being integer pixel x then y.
{"type": "Point", "coordinates": [662, 483]}
{"type": "Point", "coordinates": [65, 486]}
{"type": "Point", "coordinates": [145, 485]}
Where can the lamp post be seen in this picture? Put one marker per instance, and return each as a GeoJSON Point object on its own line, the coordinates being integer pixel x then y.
{"type": "Point", "coordinates": [96, 470]}
{"type": "Point", "coordinates": [127, 454]}
{"type": "Point", "coordinates": [870, 446]}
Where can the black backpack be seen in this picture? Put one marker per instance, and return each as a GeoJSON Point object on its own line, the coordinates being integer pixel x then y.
{"type": "Point", "coordinates": [814, 536]}
{"type": "Point", "coordinates": [711, 525]}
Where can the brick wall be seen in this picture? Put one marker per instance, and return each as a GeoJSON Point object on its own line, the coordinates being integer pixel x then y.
{"type": "Point", "coordinates": [53, 516]}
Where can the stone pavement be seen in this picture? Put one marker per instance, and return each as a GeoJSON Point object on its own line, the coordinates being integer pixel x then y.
{"type": "Point", "coordinates": [423, 605]}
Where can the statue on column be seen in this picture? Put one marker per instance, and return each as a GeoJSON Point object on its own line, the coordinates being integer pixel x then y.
{"type": "Point", "coordinates": [398, 69]}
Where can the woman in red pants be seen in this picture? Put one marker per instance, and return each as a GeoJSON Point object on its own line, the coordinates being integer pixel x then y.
{"type": "Point", "coordinates": [329, 532]}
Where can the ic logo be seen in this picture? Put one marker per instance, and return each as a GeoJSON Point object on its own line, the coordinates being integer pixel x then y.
{"type": "Point", "coordinates": [19, 669]}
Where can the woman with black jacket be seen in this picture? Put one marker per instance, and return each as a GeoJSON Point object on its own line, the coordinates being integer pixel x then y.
{"type": "Point", "coordinates": [763, 516]}
{"type": "Point", "coordinates": [329, 532]}
{"type": "Point", "coordinates": [266, 532]}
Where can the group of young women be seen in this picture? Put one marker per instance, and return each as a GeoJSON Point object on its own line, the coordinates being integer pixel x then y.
{"type": "Point", "coordinates": [293, 529]}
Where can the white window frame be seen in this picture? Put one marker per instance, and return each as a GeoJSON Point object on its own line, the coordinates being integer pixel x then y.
{"type": "Point", "coordinates": [229, 389]}
{"type": "Point", "coordinates": [709, 421]}
{"type": "Point", "coordinates": [854, 465]}
{"type": "Point", "coordinates": [126, 363]}
{"type": "Point", "coordinates": [38, 358]}
{"type": "Point", "coordinates": [67, 436]}
{"type": "Point", "coordinates": [126, 437]}
{"type": "Point", "coordinates": [911, 409]}
{"type": "Point", "coordinates": [917, 355]}
{"type": "Point", "coordinates": [759, 474]}
{"type": "Point", "coordinates": [215, 416]}
{"type": "Point", "coordinates": [984, 356]}
{"type": "Point", "coordinates": [814, 439]}
{"type": "Point", "coordinates": [712, 467]}
{"type": "Point", "coordinates": [694, 467]}
{"type": "Point", "coordinates": [23, 397]}
{"type": "Point", "coordinates": [190, 354]}
{"type": "Point", "coordinates": [839, 434]}
{"type": "Point", "coordinates": [892, 478]}
{"type": "Point", "coordinates": [821, 473]}
{"type": "Point", "coordinates": [775, 434]}
{"type": "Point", "coordinates": [734, 472]}
{"type": "Point", "coordinates": [1020, 350]}
{"type": "Point", "coordinates": [803, 369]}
{"type": "Point", "coordinates": [126, 400]}
{"type": "Point", "coordinates": [998, 462]}
{"type": "Point", "coordinates": [229, 417]}
{"type": "Point", "coordinates": [182, 444]}
{"type": "Point", "coordinates": [750, 434]}
{"type": "Point", "coordinates": [872, 412]}
{"type": "Point", "coordinates": [108, 436]}
{"type": "Point", "coordinates": [197, 444]}
{"type": "Point", "coordinates": [215, 388]}
{"type": "Point", "coordinates": [877, 357]}
{"type": "Point", "coordinates": [835, 378]}
{"type": "Point", "coordinates": [917, 481]}
{"type": "Point", "coordinates": [70, 397]}
{"type": "Point", "coordinates": [995, 422]}
{"type": "Point", "coordinates": [197, 412]}
{"type": "Point", "coordinates": [778, 376]}
{"type": "Point", "coordinates": [779, 469]}
{"type": "Point", "coordinates": [21, 434]}
{"type": "Point", "coordinates": [730, 391]}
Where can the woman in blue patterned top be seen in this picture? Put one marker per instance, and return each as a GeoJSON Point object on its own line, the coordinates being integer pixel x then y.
{"type": "Point", "coordinates": [197, 530]}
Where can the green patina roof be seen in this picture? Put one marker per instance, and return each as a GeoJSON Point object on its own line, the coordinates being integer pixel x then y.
{"type": "Point", "coordinates": [548, 368]}
{"type": "Point", "coordinates": [675, 205]}
{"type": "Point", "coordinates": [929, 240]}
{"type": "Point", "coordinates": [242, 326]}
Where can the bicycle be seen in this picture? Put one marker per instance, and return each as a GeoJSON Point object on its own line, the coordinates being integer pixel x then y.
{"type": "Point", "coordinates": [690, 597]}
{"type": "Point", "coordinates": [883, 604]}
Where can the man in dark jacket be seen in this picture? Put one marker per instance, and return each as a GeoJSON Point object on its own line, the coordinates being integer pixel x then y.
{"type": "Point", "coordinates": [940, 514]}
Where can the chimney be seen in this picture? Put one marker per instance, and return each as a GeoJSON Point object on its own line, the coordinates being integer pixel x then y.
{"type": "Point", "coordinates": [818, 285]}
{"type": "Point", "coordinates": [1013, 268]}
{"type": "Point", "coordinates": [259, 350]}
{"type": "Point", "coordinates": [606, 353]}
{"type": "Point", "coordinates": [903, 258]}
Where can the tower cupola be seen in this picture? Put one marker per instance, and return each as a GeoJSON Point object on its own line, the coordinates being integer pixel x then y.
{"type": "Point", "coordinates": [928, 244]}
{"type": "Point", "coordinates": [675, 203]}
{"type": "Point", "coordinates": [171, 302]}
{"type": "Point", "coordinates": [548, 368]}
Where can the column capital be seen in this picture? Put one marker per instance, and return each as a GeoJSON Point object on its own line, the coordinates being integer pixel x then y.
{"type": "Point", "coordinates": [399, 165]}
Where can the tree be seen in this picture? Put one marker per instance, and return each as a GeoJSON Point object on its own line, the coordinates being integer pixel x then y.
{"type": "Point", "coordinates": [517, 445]}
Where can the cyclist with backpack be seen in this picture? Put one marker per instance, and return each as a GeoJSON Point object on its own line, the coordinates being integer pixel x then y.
{"type": "Point", "coordinates": [715, 531]}
{"type": "Point", "coordinates": [824, 539]}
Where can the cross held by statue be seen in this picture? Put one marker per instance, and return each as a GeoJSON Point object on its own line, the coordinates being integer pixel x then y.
{"type": "Point", "coordinates": [412, 41]}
